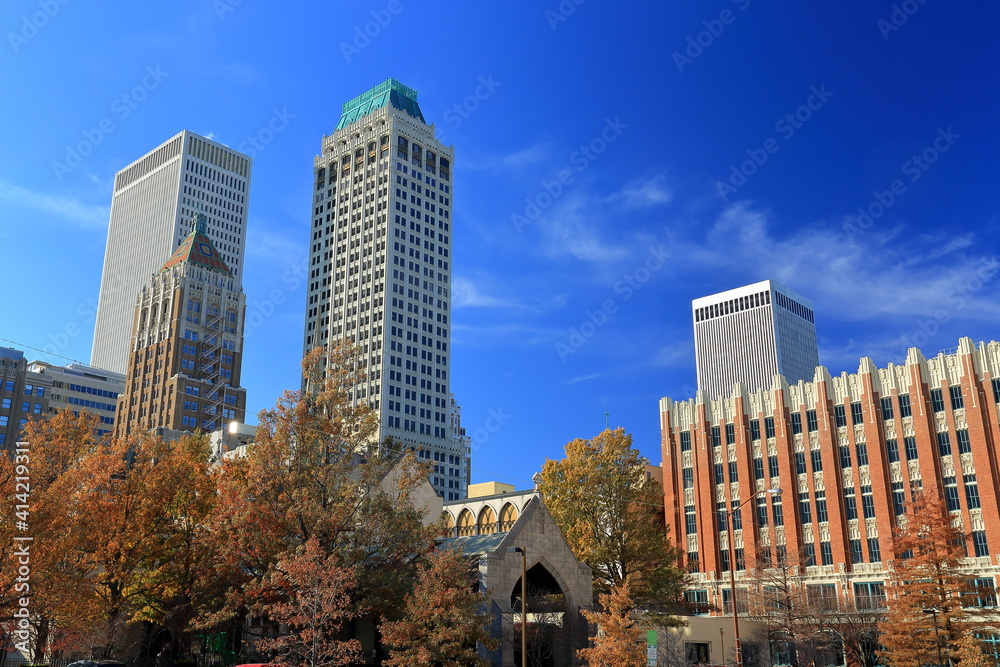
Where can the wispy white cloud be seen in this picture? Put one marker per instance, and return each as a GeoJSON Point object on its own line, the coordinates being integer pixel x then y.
{"type": "Point", "coordinates": [585, 378]}
{"type": "Point", "coordinates": [518, 159]}
{"type": "Point", "coordinates": [274, 247]}
{"type": "Point", "coordinates": [466, 294]}
{"type": "Point", "coordinates": [62, 208]}
{"type": "Point", "coordinates": [642, 193]}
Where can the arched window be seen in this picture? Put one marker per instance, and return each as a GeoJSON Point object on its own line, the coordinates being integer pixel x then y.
{"type": "Point", "coordinates": [466, 523]}
{"type": "Point", "coordinates": [449, 526]}
{"type": "Point", "coordinates": [508, 515]}
{"type": "Point", "coordinates": [487, 521]}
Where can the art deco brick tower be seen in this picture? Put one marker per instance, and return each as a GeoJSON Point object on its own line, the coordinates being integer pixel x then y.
{"type": "Point", "coordinates": [187, 344]}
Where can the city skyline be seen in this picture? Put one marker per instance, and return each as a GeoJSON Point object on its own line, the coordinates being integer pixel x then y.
{"type": "Point", "coordinates": [842, 151]}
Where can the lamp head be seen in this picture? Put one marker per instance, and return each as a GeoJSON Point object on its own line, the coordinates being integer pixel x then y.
{"type": "Point", "coordinates": [774, 492]}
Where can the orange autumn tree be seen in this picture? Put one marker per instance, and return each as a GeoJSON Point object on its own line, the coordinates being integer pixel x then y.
{"type": "Point", "coordinates": [618, 639]}
{"type": "Point", "coordinates": [441, 623]}
{"type": "Point", "coordinates": [315, 471]}
{"type": "Point", "coordinates": [927, 575]}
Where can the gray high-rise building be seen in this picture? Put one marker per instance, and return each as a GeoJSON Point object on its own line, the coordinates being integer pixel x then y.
{"type": "Point", "coordinates": [154, 200]}
{"type": "Point", "coordinates": [750, 334]}
{"type": "Point", "coordinates": [380, 271]}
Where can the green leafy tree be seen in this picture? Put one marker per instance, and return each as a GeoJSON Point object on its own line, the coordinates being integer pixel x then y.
{"type": "Point", "coordinates": [612, 516]}
{"type": "Point", "coordinates": [441, 622]}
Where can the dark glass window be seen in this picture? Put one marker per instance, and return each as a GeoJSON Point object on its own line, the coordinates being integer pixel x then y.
{"type": "Point", "coordinates": [996, 390]}
{"type": "Point", "coordinates": [688, 478]}
{"type": "Point", "coordinates": [980, 544]}
{"type": "Point", "coordinates": [985, 592]}
{"type": "Point", "coordinates": [951, 494]}
{"type": "Point", "coordinates": [796, 423]}
{"type": "Point", "coordinates": [869, 595]}
{"type": "Point", "coordinates": [845, 456]}
{"type": "Point", "coordinates": [867, 502]}
{"type": "Point", "coordinates": [716, 437]}
{"type": "Point", "coordinates": [955, 394]}
{"type": "Point", "coordinates": [839, 416]}
{"type": "Point", "coordinates": [898, 498]}
{"type": "Point", "coordinates": [724, 560]}
{"type": "Point", "coordinates": [904, 406]}
{"type": "Point", "coordinates": [944, 444]}
{"type": "Point", "coordinates": [971, 491]}
{"type": "Point", "coordinates": [779, 514]}
{"type": "Point", "coordinates": [768, 427]}
{"type": "Point", "coordinates": [874, 552]}
{"type": "Point", "coordinates": [892, 450]}
{"type": "Point", "coordinates": [685, 441]}
{"type": "Point", "coordinates": [772, 464]}
{"type": "Point", "coordinates": [857, 555]}
{"type": "Point", "coordinates": [811, 420]}
{"type": "Point", "coordinates": [910, 443]}
{"type": "Point", "coordinates": [800, 463]}
{"type": "Point", "coordinates": [887, 408]}
{"type": "Point", "coordinates": [737, 519]}
{"type": "Point", "coordinates": [862, 449]}
{"type": "Point", "coordinates": [720, 512]}
{"type": "Point", "coordinates": [690, 520]}
{"type": "Point", "coordinates": [720, 475]}
{"type": "Point", "coordinates": [741, 561]}
{"type": "Point", "coordinates": [937, 400]}
{"type": "Point", "coordinates": [817, 460]}
{"type": "Point", "coordinates": [857, 417]}
{"type": "Point", "coordinates": [826, 552]}
{"type": "Point", "coordinates": [850, 504]}
{"type": "Point", "coordinates": [964, 446]}
{"type": "Point", "coordinates": [755, 429]}
{"type": "Point", "coordinates": [761, 512]}
{"type": "Point", "coordinates": [809, 554]}
{"type": "Point", "coordinates": [730, 434]}
{"type": "Point", "coordinates": [821, 514]}
{"type": "Point", "coordinates": [758, 468]}
{"type": "Point", "coordinates": [805, 509]}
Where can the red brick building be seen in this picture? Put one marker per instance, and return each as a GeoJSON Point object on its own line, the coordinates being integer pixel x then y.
{"type": "Point", "coordinates": [847, 452]}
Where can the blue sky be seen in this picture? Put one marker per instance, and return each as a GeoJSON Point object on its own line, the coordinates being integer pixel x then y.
{"type": "Point", "coordinates": [613, 162]}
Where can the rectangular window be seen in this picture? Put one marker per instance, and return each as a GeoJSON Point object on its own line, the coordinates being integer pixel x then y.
{"type": "Point", "coordinates": [697, 601]}
{"type": "Point", "coordinates": [862, 450]}
{"type": "Point", "coordinates": [869, 595]}
{"type": "Point", "coordinates": [733, 473]}
{"type": "Point", "coordinates": [796, 423]}
{"type": "Point", "coordinates": [761, 511]}
{"type": "Point", "coordinates": [937, 400]}
{"type": "Point", "coordinates": [850, 504]}
{"type": "Point", "coordinates": [720, 513]}
{"type": "Point", "coordinates": [5, 404]}
{"type": "Point", "coordinates": [971, 492]}
{"type": "Point", "coordinates": [910, 444]}
{"type": "Point", "coordinates": [857, 417]}
{"type": "Point", "coordinates": [892, 450]}
{"type": "Point", "coordinates": [690, 520]}
{"type": "Point", "coordinates": [685, 441]}
{"type": "Point", "coordinates": [964, 446]}
{"type": "Point", "coordinates": [730, 434]}
{"type": "Point", "coordinates": [980, 544]}
{"type": "Point", "coordinates": [755, 429]}
{"type": "Point", "coordinates": [693, 565]}
{"type": "Point", "coordinates": [741, 561]}
{"type": "Point", "coordinates": [800, 463]}
{"type": "Point", "coordinates": [817, 460]}
{"type": "Point", "coordinates": [944, 444]}
{"type": "Point", "coordinates": [886, 405]}
{"type": "Point", "coordinates": [805, 508]}
{"type": "Point", "coordinates": [779, 515]}
{"type": "Point", "coordinates": [758, 468]}
{"type": "Point", "coordinates": [826, 552]}
{"type": "Point", "coordinates": [845, 456]}
{"type": "Point", "coordinates": [821, 514]}
{"type": "Point", "coordinates": [985, 591]}
{"type": "Point", "coordinates": [724, 560]}
{"type": "Point", "coordinates": [688, 478]}
{"type": "Point", "coordinates": [716, 437]}
{"type": "Point", "coordinates": [809, 554]}
{"type": "Point", "coordinates": [874, 552]}
{"type": "Point", "coordinates": [955, 394]}
{"type": "Point", "coordinates": [839, 416]}
{"type": "Point", "coordinates": [720, 475]}
{"type": "Point", "coordinates": [904, 406]}
{"type": "Point", "coordinates": [867, 502]}
{"type": "Point", "coordinates": [768, 427]}
{"type": "Point", "coordinates": [898, 498]}
{"type": "Point", "coordinates": [951, 494]}
{"type": "Point", "coordinates": [857, 555]}
{"type": "Point", "coordinates": [736, 518]}
{"type": "Point", "coordinates": [811, 420]}
{"type": "Point", "coordinates": [996, 390]}
{"type": "Point", "coordinates": [822, 596]}
{"type": "Point", "coordinates": [772, 464]}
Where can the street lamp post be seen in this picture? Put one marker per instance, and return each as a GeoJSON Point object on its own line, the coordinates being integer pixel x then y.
{"type": "Point", "coordinates": [737, 647]}
{"type": "Point", "coordinates": [524, 597]}
{"type": "Point", "coordinates": [937, 635]}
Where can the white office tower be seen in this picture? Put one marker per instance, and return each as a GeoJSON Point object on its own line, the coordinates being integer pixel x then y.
{"type": "Point", "coordinates": [154, 200]}
{"type": "Point", "coordinates": [750, 334]}
{"type": "Point", "coordinates": [380, 270]}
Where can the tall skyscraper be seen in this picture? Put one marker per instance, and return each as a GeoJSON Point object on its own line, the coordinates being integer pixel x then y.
{"type": "Point", "coordinates": [380, 270]}
{"type": "Point", "coordinates": [750, 334]}
{"type": "Point", "coordinates": [187, 346]}
{"type": "Point", "coordinates": [154, 199]}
